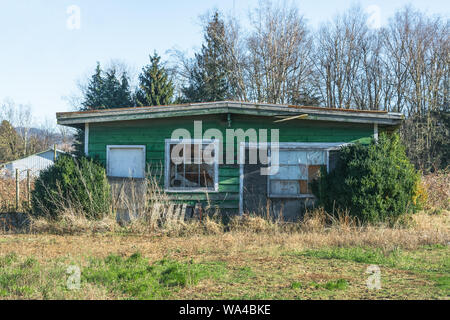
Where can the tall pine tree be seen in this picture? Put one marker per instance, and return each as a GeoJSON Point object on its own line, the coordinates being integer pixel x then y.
{"type": "Point", "coordinates": [208, 76]}
{"type": "Point", "coordinates": [93, 95]}
{"type": "Point", "coordinates": [155, 86]}
{"type": "Point", "coordinates": [104, 91]}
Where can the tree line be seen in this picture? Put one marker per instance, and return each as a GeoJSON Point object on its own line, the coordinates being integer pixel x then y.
{"type": "Point", "coordinates": [401, 67]}
{"type": "Point", "coordinates": [19, 138]}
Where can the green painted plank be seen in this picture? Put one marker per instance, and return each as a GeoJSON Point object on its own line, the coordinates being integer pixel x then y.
{"type": "Point", "coordinates": [228, 172]}
{"type": "Point", "coordinates": [229, 188]}
{"type": "Point", "coordinates": [228, 180]}
{"type": "Point", "coordinates": [203, 197]}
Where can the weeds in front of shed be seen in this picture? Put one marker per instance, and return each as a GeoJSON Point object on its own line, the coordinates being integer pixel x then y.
{"type": "Point", "coordinates": [144, 208]}
{"type": "Point", "coordinates": [138, 206]}
{"type": "Point", "coordinates": [141, 204]}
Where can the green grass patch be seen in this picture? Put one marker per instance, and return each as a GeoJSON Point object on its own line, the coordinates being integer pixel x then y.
{"type": "Point", "coordinates": [134, 275]}
{"type": "Point", "coordinates": [340, 284]}
{"type": "Point", "coordinates": [17, 277]}
{"type": "Point", "coordinates": [431, 262]}
{"type": "Point", "coordinates": [425, 261]}
{"type": "Point", "coordinates": [296, 285]}
{"type": "Point", "coordinates": [7, 260]}
{"type": "Point", "coordinates": [356, 254]}
{"type": "Point", "coordinates": [24, 278]}
{"type": "Point", "coordinates": [243, 274]}
{"type": "Point", "coordinates": [443, 283]}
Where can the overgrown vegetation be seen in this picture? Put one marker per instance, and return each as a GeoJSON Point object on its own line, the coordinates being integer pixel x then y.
{"type": "Point", "coordinates": [437, 190]}
{"type": "Point", "coordinates": [71, 184]}
{"type": "Point", "coordinates": [250, 258]}
{"type": "Point", "coordinates": [374, 183]}
{"type": "Point", "coordinates": [231, 266]}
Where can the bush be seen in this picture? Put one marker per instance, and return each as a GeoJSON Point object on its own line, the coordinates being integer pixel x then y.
{"type": "Point", "coordinates": [72, 184]}
{"type": "Point", "coordinates": [373, 183]}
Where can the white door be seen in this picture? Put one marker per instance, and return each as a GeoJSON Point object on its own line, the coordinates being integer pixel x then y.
{"type": "Point", "coordinates": [126, 161]}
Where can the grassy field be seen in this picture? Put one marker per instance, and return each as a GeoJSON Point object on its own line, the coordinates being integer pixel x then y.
{"type": "Point", "coordinates": [414, 263]}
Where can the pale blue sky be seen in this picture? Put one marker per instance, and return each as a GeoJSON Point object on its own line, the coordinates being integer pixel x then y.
{"type": "Point", "coordinates": [41, 58]}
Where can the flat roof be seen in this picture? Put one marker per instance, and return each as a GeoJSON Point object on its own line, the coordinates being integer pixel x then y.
{"type": "Point", "coordinates": [234, 107]}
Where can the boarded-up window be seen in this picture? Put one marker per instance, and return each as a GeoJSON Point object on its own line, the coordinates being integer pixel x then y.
{"type": "Point", "coordinates": [297, 168]}
{"type": "Point", "coordinates": [191, 166]}
{"type": "Point", "coordinates": [126, 161]}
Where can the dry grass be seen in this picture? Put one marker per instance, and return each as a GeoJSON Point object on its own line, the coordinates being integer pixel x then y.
{"type": "Point", "coordinates": [256, 265]}
{"type": "Point", "coordinates": [209, 234]}
{"type": "Point", "coordinates": [257, 258]}
{"type": "Point", "coordinates": [437, 186]}
{"type": "Point", "coordinates": [144, 208]}
{"type": "Point", "coordinates": [423, 229]}
{"type": "Point", "coordinates": [70, 222]}
{"type": "Point", "coordinates": [8, 194]}
{"type": "Point", "coordinates": [149, 208]}
{"type": "Point", "coordinates": [149, 213]}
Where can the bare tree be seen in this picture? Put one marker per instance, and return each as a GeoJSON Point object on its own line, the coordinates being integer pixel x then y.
{"type": "Point", "coordinates": [418, 56]}
{"type": "Point", "coordinates": [19, 116]}
{"type": "Point", "coordinates": [278, 54]}
{"type": "Point", "coordinates": [269, 63]}
{"type": "Point", "coordinates": [342, 48]}
{"type": "Point", "coordinates": [236, 60]}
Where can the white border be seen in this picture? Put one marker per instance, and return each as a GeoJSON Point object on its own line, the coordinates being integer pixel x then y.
{"type": "Point", "coordinates": [86, 139]}
{"type": "Point", "coordinates": [375, 131]}
{"type": "Point", "coordinates": [125, 146]}
{"type": "Point", "coordinates": [168, 142]}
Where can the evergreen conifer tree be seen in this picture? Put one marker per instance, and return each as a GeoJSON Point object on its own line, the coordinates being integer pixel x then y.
{"type": "Point", "coordinates": [208, 75]}
{"type": "Point", "coordinates": [104, 91]}
{"type": "Point", "coordinates": [155, 86]}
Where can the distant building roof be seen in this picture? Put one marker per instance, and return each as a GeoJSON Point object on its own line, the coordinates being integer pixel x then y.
{"type": "Point", "coordinates": [32, 155]}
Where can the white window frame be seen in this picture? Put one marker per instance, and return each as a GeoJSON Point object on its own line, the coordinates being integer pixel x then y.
{"type": "Point", "coordinates": [86, 139]}
{"type": "Point", "coordinates": [303, 146]}
{"type": "Point", "coordinates": [127, 146]}
{"type": "Point", "coordinates": [302, 195]}
{"type": "Point", "coordinates": [169, 142]}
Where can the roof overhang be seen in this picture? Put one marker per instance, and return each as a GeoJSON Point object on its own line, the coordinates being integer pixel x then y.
{"type": "Point", "coordinates": [224, 107]}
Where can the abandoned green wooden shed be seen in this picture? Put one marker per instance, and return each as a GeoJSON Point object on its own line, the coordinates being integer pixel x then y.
{"type": "Point", "coordinates": [296, 140]}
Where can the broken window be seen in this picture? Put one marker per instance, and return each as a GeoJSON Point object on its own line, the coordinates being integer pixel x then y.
{"type": "Point", "coordinates": [297, 168]}
{"type": "Point", "coordinates": [191, 166]}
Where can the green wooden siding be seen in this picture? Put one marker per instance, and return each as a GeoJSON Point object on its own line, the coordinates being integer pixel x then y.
{"type": "Point", "coordinates": [152, 134]}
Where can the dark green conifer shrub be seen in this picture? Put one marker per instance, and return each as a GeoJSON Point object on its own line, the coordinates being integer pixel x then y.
{"type": "Point", "coordinates": [374, 183]}
{"type": "Point", "coordinates": [77, 184]}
